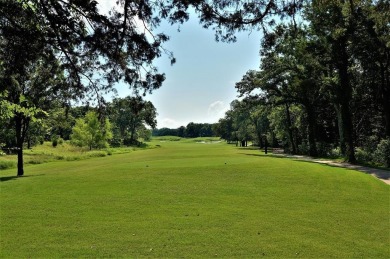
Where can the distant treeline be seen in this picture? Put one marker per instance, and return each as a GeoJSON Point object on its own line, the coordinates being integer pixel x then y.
{"type": "Point", "coordinates": [193, 130]}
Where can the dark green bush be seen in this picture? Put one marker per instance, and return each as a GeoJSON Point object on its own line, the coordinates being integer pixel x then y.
{"type": "Point", "coordinates": [324, 149]}
{"type": "Point", "coordinates": [303, 148]}
{"type": "Point", "coordinates": [115, 142]}
{"type": "Point", "coordinates": [382, 152]}
{"type": "Point", "coordinates": [7, 164]}
{"type": "Point", "coordinates": [363, 156]}
{"type": "Point", "coordinates": [130, 142]}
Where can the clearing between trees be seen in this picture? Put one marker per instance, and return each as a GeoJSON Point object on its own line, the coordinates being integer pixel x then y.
{"type": "Point", "coordinates": [185, 199]}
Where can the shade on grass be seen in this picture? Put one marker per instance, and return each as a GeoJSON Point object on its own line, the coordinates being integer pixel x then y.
{"type": "Point", "coordinates": [188, 199]}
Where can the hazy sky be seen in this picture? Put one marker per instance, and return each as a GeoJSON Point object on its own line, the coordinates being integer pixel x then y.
{"type": "Point", "coordinates": [200, 85]}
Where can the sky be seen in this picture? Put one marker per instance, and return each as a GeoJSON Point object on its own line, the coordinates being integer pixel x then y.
{"type": "Point", "coordinates": [200, 85]}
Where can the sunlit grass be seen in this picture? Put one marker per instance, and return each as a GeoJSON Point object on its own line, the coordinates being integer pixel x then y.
{"type": "Point", "coordinates": [47, 153]}
{"type": "Point", "coordinates": [187, 199]}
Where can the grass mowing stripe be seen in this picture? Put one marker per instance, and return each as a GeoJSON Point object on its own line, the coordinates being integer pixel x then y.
{"type": "Point", "coordinates": [182, 200]}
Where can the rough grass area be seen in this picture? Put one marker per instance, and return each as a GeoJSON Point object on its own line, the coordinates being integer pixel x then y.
{"type": "Point", "coordinates": [189, 200]}
{"type": "Point", "coordinates": [47, 153]}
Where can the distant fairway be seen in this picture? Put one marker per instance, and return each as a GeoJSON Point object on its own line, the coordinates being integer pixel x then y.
{"type": "Point", "coordinates": [187, 199]}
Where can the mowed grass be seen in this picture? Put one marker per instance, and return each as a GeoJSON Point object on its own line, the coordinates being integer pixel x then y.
{"type": "Point", "coordinates": [188, 199]}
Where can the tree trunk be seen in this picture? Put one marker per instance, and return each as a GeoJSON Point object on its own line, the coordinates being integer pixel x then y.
{"type": "Point", "coordinates": [290, 131]}
{"type": "Point", "coordinates": [385, 93]}
{"type": "Point", "coordinates": [19, 143]}
{"type": "Point", "coordinates": [132, 133]}
{"type": "Point", "coordinates": [311, 119]}
{"type": "Point", "coordinates": [343, 147]}
{"type": "Point", "coordinates": [260, 140]}
{"type": "Point", "coordinates": [345, 97]}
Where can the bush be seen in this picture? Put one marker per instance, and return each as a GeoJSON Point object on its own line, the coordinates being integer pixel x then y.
{"type": "Point", "coordinates": [130, 142]}
{"type": "Point", "coordinates": [324, 149]}
{"type": "Point", "coordinates": [96, 154]}
{"type": "Point", "coordinates": [36, 161]}
{"type": "Point", "coordinates": [363, 156]}
{"type": "Point", "coordinates": [335, 152]}
{"type": "Point", "coordinates": [60, 141]}
{"type": "Point", "coordinates": [115, 142]}
{"type": "Point", "coordinates": [1, 151]}
{"type": "Point", "coordinates": [382, 152]}
{"type": "Point", "coordinates": [7, 164]}
{"type": "Point", "coordinates": [54, 142]}
{"type": "Point", "coordinates": [370, 144]}
{"type": "Point", "coordinates": [303, 148]}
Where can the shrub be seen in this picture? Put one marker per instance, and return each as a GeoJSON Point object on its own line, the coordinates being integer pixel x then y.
{"type": "Point", "coordinates": [96, 154]}
{"type": "Point", "coordinates": [335, 152]}
{"type": "Point", "coordinates": [115, 142]}
{"type": "Point", "coordinates": [303, 148]}
{"type": "Point", "coordinates": [324, 149]}
{"type": "Point", "coordinates": [7, 164]}
{"type": "Point", "coordinates": [370, 144]}
{"type": "Point", "coordinates": [130, 142]}
{"type": "Point", "coordinates": [382, 152]}
{"type": "Point", "coordinates": [60, 141]}
{"type": "Point", "coordinates": [363, 155]}
{"type": "Point", "coordinates": [36, 161]}
{"type": "Point", "coordinates": [1, 151]}
{"type": "Point", "coordinates": [54, 142]}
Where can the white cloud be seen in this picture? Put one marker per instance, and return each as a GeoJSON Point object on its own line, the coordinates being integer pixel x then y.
{"type": "Point", "coordinates": [217, 110]}
{"type": "Point", "coordinates": [168, 123]}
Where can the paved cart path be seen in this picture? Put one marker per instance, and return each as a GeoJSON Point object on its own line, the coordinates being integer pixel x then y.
{"type": "Point", "coordinates": [381, 174]}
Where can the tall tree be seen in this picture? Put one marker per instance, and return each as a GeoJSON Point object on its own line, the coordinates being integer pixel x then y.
{"type": "Point", "coordinates": [90, 132]}
{"type": "Point", "coordinates": [131, 113]}
{"type": "Point", "coordinates": [334, 23]}
{"type": "Point", "coordinates": [92, 50]}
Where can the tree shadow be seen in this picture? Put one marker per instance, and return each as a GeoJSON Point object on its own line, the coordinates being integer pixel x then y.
{"type": "Point", "coordinates": [11, 178]}
{"type": "Point", "coordinates": [250, 148]}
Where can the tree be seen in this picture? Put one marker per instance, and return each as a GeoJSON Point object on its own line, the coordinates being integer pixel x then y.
{"type": "Point", "coordinates": [90, 132]}
{"type": "Point", "coordinates": [130, 114]}
{"type": "Point", "coordinates": [91, 50]}
{"type": "Point", "coordinates": [334, 24]}
{"type": "Point", "coordinates": [192, 130]}
{"type": "Point", "coordinates": [224, 128]}
{"type": "Point", "coordinates": [60, 122]}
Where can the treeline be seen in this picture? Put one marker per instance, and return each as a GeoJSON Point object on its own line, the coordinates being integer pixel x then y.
{"type": "Point", "coordinates": [192, 130]}
{"type": "Point", "coordinates": [120, 122]}
{"type": "Point", "coordinates": [323, 87]}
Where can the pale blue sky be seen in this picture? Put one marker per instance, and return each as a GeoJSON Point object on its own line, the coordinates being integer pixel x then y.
{"type": "Point", "coordinates": [200, 85]}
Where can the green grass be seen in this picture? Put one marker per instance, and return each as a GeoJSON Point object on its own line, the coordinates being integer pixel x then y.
{"type": "Point", "coordinates": [188, 199]}
{"type": "Point", "coordinates": [47, 153]}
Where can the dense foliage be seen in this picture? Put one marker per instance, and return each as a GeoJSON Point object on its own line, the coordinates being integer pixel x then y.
{"type": "Point", "coordinates": [323, 84]}
{"type": "Point", "coordinates": [323, 81]}
{"type": "Point", "coordinates": [91, 132]}
{"type": "Point", "coordinates": [192, 130]}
